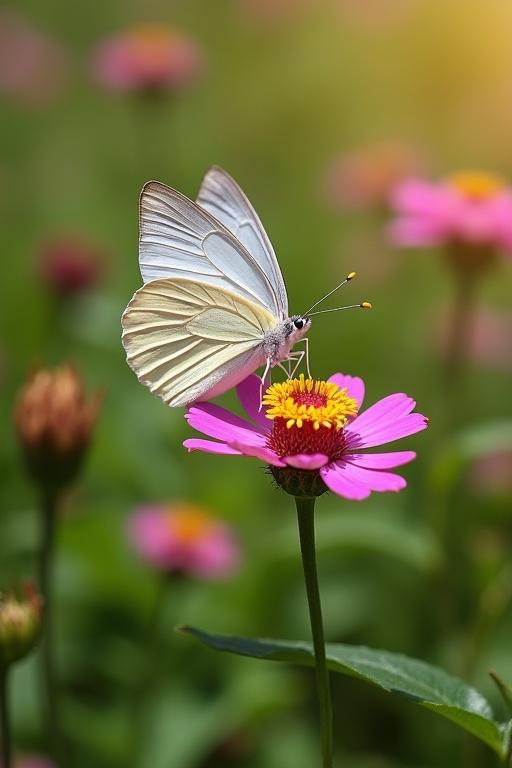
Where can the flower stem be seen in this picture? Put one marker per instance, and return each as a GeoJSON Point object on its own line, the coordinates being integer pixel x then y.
{"type": "Point", "coordinates": [49, 505]}
{"type": "Point", "coordinates": [5, 725]}
{"type": "Point", "coordinates": [306, 521]}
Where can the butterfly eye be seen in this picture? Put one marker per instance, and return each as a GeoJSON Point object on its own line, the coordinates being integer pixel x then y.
{"type": "Point", "coordinates": [299, 323]}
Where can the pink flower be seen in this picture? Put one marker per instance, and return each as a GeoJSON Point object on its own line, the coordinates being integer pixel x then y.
{"type": "Point", "coordinates": [33, 67]}
{"type": "Point", "coordinates": [311, 436]}
{"type": "Point", "coordinates": [364, 178]}
{"type": "Point", "coordinates": [151, 57]}
{"type": "Point", "coordinates": [69, 265]}
{"type": "Point", "coordinates": [182, 537]}
{"type": "Point", "coordinates": [471, 211]}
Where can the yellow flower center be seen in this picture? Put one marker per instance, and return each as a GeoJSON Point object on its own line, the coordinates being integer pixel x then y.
{"type": "Point", "coordinates": [188, 523]}
{"type": "Point", "coordinates": [309, 401]}
{"type": "Point", "coordinates": [477, 185]}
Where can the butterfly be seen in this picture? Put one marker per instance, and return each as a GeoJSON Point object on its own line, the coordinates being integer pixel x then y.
{"type": "Point", "coordinates": [213, 307]}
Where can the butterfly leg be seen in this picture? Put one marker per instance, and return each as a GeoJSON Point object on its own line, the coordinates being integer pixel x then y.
{"type": "Point", "coordinates": [297, 358]}
{"type": "Point", "coordinates": [306, 342]}
{"type": "Point", "coordinates": [263, 380]}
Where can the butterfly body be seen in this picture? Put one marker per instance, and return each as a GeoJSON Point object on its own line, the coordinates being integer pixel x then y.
{"type": "Point", "coordinates": [213, 308]}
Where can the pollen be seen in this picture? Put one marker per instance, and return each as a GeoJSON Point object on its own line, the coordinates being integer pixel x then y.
{"type": "Point", "coordinates": [477, 185]}
{"type": "Point", "coordinates": [300, 402]}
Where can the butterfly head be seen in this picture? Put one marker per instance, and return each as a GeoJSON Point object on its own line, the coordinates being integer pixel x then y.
{"type": "Point", "coordinates": [299, 326]}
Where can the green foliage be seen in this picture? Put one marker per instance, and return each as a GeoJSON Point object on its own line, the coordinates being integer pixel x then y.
{"type": "Point", "coordinates": [412, 679]}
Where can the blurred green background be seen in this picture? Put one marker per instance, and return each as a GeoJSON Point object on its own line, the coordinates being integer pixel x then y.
{"type": "Point", "coordinates": [286, 88]}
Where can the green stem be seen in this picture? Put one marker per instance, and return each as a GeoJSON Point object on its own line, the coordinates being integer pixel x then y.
{"type": "Point", "coordinates": [5, 725]}
{"type": "Point", "coordinates": [49, 506]}
{"type": "Point", "coordinates": [306, 520]}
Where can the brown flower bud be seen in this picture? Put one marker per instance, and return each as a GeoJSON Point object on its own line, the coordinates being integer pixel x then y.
{"type": "Point", "coordinates": [55, 419]}
{"type": "Point", "coordinates": [20, 624]}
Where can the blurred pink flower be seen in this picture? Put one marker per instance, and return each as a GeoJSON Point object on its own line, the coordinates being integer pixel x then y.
{"type": "Point", "coordinates": [33, 66]}
{"type": "Point", "coordinates": [470, 210]}
{"type": "Point", "coordinates": [364, 178]}
{"type": "Point", "coordinates": [147, 58]}
{"type": "Point", "coordinates": [182, 537]}
{"type": "Point", "coordinates": [310, 433]}
{"type": "Point", "coordinates": [69, 265]}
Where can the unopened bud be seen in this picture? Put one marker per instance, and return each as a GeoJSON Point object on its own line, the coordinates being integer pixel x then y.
{"type": "Point", "coordinates": [55, 420]}
{"type": "Point", "coordinates": [20, 624]}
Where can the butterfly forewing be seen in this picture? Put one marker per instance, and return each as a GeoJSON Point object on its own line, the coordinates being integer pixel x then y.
{"type": "Point", "coordinates": [179, 239]}
{"type": "Point", "coordinates": [183, 337]}
{"type": "Point", "coordinates": [222, 197]}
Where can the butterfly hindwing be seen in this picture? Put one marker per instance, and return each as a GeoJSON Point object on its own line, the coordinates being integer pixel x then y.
{"type": "Point", "coordinates": [182, 337]}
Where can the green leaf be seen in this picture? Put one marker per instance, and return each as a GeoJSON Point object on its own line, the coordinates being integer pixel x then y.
{"type": "Point", "coordinates": [412, 679]}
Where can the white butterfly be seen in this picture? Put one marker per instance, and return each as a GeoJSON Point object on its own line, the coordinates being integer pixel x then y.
{"type": "Point", "coordinates": [214, 307]}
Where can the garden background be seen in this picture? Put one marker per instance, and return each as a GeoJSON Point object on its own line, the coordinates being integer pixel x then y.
{"type": "Point", "coordinates": [316, 108]}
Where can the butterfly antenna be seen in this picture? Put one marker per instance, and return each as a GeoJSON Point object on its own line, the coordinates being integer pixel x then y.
{"type": "Point", "coordinates": [348, 278]}
{"type": "Point", "coordinates": [362, 305]}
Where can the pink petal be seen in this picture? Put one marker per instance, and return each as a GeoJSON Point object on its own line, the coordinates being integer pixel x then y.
{"type": "Point", "coordinates": [380, 460]}
{"type": "Point", "coordinates": [372, 479]}
{"type": "Point", "coordinates": [221, 424]}
{"type": "Point", "coordinates": [307, 460]}
{"type": "Point", "coordinates": [417, 197]}
{"type": "Point", "coordinates": [215, 555]}
{"type": "Point", "coordinates": [151, 536]}
{"type": "Point", "coordinates": [259, 452]}
{"type": "Point", "coordinates": [336, 481]}
{"type": "Point", "coordinates": [387, 432]}
{"type": "Point", "coordinates": [209, 446]}
{"type": "Point", "coordinates": [387, 410]}
{"type": "Point", "coordinates": [353, 384]}
{"type": "Point", "coordinates": [249, 394]}
{"type": "Point", "coordinates": [414, 232]}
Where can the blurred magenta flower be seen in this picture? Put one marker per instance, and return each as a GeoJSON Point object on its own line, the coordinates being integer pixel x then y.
{"type": "Point", "coordinates": [184, 538]}
{"type": "Point", "coordinates": [151, 58]}
{"type": "Point", "coordinates": [471, 212]}
{"type": "Point", "coordinates": [311, 436]}
{"type": "Point", "coordinates": [69, 265]}
{"type": "Point", "coordinates": [364, 178]}
{"type": "Point", "coordinates": [33, 66]}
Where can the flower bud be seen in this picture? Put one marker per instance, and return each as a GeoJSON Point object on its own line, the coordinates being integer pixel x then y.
{"type": "Point", "coordinates": [20, 623]}
{"type": "Point", "coordinates": [55, 419]}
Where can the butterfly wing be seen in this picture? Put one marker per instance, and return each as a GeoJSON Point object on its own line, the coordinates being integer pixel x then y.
{"type": "Point", "coordinates": [187, 340]}
{"type": "Point", "coordinates": [222, 197]}
{"type": "Point", "coordinates": [179, 239]}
